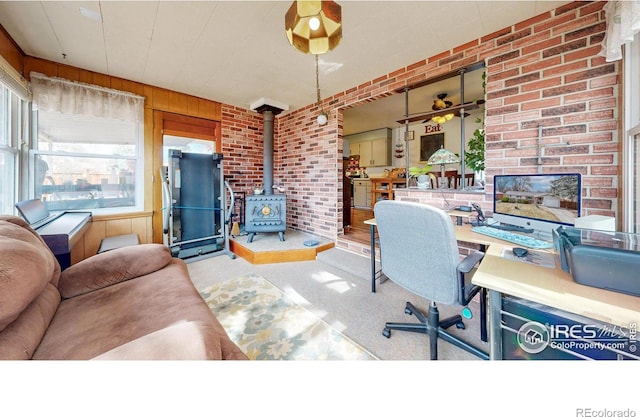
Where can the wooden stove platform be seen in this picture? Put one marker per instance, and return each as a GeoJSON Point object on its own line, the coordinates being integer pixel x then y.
{"type": "Point", "coordinates": [267, 248]}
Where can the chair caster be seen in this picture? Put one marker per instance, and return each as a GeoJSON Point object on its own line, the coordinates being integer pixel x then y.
{"type": "Point", "coordinates": [407, 311]}
{"type": "Point", "coordinates": [460, 325]}
{"type": "Point", "coordinates": [386, 333]}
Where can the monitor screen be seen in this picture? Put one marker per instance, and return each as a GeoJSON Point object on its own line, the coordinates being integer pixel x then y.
{"type": "Point", "coordinates": [539, 201]}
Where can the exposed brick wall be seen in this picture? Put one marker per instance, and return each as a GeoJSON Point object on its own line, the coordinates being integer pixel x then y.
{"type": "Point", "coordinates": [242, 137]}
{"type": "Point", "coordinates": [551, 103]}
{"type": "Point", "coordinates": [543, 77]}
{"type": "Point", "coordinates": [310, 166]}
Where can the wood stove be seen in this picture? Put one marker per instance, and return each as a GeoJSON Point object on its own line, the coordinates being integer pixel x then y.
{"type": "Point", "coordinates": [268, 212]}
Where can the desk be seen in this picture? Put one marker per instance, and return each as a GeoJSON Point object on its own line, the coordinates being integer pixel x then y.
{"type": "Point", "coordinates": [549, 287]}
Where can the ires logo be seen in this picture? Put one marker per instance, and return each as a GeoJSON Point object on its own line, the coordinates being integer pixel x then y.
{"type": "Point", "coordinates": [534, 337]}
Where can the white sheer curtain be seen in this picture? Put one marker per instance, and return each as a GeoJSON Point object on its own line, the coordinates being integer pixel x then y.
{"type": "Point", "coordinates": [623, 22]}
{"type": "Point", "coordinates": [59, 95]}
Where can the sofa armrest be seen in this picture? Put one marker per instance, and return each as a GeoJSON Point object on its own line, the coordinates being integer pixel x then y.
{"type": "Point", "coordinates": [188, 340]}
{"type": "Point", "coordinates": [112, 267]}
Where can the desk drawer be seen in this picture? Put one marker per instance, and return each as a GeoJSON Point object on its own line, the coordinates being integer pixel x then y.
{"type": "Point", "coordinates": [535, 331]}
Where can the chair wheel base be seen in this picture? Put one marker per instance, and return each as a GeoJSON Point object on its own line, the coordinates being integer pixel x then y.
{"type": "Point", "coordinates": [386, 333]}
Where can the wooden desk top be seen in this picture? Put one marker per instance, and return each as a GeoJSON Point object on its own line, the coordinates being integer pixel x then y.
{"type": "Point", "coordinates": [551, 287]}
{"type": "Point", "coordinates": [554, 288]}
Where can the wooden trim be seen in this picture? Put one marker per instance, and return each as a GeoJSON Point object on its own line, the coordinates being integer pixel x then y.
{"type": "Point", "coordinates": [270, 257]}
{"type": "Point", "coordinates": [107, 217]}
{"type": "Point", "coordinates": [177, 125]}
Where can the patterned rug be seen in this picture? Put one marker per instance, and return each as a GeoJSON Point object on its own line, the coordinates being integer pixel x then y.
{"type": "Point", "coordinates": [266, 324]}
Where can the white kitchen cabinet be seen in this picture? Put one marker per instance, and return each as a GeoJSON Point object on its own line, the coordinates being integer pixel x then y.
{"type": "Point", "coordinates": [374, 152]}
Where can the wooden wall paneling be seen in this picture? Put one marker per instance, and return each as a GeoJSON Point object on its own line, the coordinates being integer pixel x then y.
{"type": "Point", "coordinates": [118, 227]}
{"type": "Point", "coordinates": [178, 103]}
{"type": "Point", "coordinates": [150, 173]}
{"type": "Point", "coordinates": [156, 141]}
{"type": "Point", "coordinates": [133, 87]}
{"type": "Point", "coordinates": [193, 106]}
{"type": "Point", "coordinates": [69, 73]}
{"type": "Point", "coordinates": [39, 65]}
{"type": "Point", "coordinates": [160, 99]}
{"type": "Point", "coordinates": [11, 51]}
{"type": "Point", "coordinates": [78, 252]}
{"type": "Point", "coordinates": [139, 227]}
{"type": "Point", "coordinates": [93, 236]}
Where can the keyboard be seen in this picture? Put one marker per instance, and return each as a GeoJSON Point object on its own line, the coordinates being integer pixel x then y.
{"type": "Point", "coordinates": [514, 238]}
{"type": "Point", "coordinates": [511, 228]}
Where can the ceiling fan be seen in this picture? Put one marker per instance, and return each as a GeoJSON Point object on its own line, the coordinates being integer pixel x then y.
{"type": "Point", "coordinates": [441, 104]}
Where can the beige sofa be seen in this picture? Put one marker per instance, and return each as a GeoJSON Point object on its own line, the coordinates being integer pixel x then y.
{"type": "Point", "coordinates": [130, 303]}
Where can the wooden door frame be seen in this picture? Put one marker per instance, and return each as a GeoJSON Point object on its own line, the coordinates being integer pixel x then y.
{"type": "Point", "coordinates": [165, 123]}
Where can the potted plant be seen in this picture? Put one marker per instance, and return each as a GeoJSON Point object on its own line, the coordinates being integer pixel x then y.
{"type": "Point", "coordinates": [416, 172]}
{"type": "Point", "coordinates": [474, 157]}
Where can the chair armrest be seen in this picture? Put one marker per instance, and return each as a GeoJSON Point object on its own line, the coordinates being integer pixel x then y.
{"type": "Point", "coordinates": [464, 267]}
{"type": "Point", "coordinates": [469, 262]}
{"type": "Point", "coordinates": [112, 267]}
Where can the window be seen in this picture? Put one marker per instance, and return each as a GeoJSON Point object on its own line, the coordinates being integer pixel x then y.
{"type": "Point", "coordinates": [631, 144]}
{"type": "Point", "coordinates": [12, 110]}
{"type": "Point", "coordinates": [7, 156]}
{"type": "Point", "coordinates": [87, 152]}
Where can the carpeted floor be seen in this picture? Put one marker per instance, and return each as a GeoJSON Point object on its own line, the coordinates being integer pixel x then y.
{"type": "Point", "coordinates": [344, 300]}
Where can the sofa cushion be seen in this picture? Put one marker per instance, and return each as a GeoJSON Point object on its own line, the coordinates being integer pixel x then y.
{"type": "Point", "coordinates": [111, 267]}
{"type": "Point", "coordinates": [187, 340]}
{"type": "Point", "coordinates": [101, 320]}
{"type": "Point", "coordinates": [22, 336]}
{"type": "Point", "coordinates": [26, 267]}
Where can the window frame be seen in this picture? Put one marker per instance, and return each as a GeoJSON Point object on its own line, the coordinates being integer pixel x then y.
{"type": "Point", "coordinates": [630, 182]}
{"type": "Point", "coordinates": [138, 158]}
{"type": "Point", "coordinates": [16, 131]}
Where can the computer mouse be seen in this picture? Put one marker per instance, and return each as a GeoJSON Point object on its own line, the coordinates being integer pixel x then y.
{"type": "Point", "coordinates": [520, 252]}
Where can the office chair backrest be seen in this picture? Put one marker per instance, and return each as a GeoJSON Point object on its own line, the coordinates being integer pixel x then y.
{"type": "Point", "coordinates": [418, 249]}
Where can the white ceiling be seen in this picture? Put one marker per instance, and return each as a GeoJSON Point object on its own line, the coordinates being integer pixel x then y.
{"type": "Point", "coordinates": [236, 52]}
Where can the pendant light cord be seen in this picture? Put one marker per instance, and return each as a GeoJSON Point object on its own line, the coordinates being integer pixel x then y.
{"type": "Point", "coordinates": [318, 83]}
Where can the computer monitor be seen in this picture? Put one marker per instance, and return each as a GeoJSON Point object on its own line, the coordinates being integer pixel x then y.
{"type": "Point", "coordinates": [538, 201]}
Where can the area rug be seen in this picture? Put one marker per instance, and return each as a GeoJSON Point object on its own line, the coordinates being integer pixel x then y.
{"type": "Point", "coordinates": [266, 324]}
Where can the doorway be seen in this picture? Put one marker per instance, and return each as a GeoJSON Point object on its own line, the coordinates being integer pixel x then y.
{"type": "Point", "coordinates": [388, 112]}
{"type": "Point", "coordinates": [187, 133]}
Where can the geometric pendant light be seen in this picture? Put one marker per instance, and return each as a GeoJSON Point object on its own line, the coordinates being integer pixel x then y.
{"type": "Point", "coordinates": [314, 26]}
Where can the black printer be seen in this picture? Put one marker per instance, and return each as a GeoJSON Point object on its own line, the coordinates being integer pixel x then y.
{"type": "Point", "coordinates": [607, 260]}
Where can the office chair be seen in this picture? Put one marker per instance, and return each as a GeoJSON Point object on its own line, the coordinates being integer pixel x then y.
{"type": "Point", "coordinates": [419, 252]}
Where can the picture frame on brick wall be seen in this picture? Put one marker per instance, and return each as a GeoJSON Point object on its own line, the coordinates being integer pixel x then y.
{"type": "Point", "coordinates": [429, 144]}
